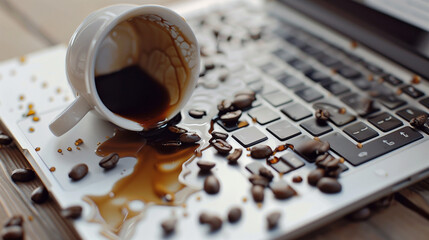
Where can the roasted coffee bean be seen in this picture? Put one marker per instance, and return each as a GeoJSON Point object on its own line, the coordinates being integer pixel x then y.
{"type": "Point", "coordinates": [196, 113]}
{"type": "Point", "coordinates": [215, 223]}
{"type": "Point", "coordinates": [327, 162]}
{"type": "Point", "coordinates": [258, 193]}
{"type": "Point", "coordinates": [177, 130]}
{"type": "Point", "coordinates": [264, 172]}
{"type": "Point", "coordinates": [360, 215]}
{"type": "Point", "coordinates": [5, 139]}
{"type": "Point", "coordinates": [22, 175]}
{"type": "Point", "coordinates": [231, 117]}
{"type": "Point", "coordinates": [234, 156]}
{"type": "Point", "coordinates": [273, 220]}
{"type": "Point", "coordinates": [334, 173]}
{"type": "Point", "coordinates": [297, 179]}
{"type": "Point", "coordinates": [221, 146]}
{"type": "Point", "coordinates": [109, 161]}
{"type": "Point", "coordinates": [234, 214]}
{"type": "Point", "coordinates": [223, 77]}
{"type": "Point", "coordinates": [419, 121]}
{"type": "Point", "coordinates": [211, 185]}
{"type": "Point", "coordinates": [314, 176]}
{"type": "Point", "coordinates": [209, 65]}
{"type": "Point", "coordinates": [78, 172]}
{"type": "Point", "coordinates": [242, 101]}
{"type": "Point", "coordinates": [189, 137]}
{"type": "Point", "coordinates": [40, 195]}
{"type": "Point", "coordinates": [72, 212]}
{"type": "Point", "coordinates": [246, 92]}
{"type": "Point", "coordinates": [205, 166]}
{"type": "Point", "coordinates": [322, 115]}
{"type": "Point", "coordinates": [15, 221]}
{"type": "Point", "coordinates": [312, 148]}
{"type": "Point", "coordinates": [224, 106]}
{"type": "Point", "coordinates": [329, 185]}
{"type": "Point", "coordinates": [219, 135]}
{"type": "Point", "coordinates": [169, 225]}
{"type": "Point", "coordinates": [204, 218]}
{"type": "Point", "coordinates": [282, 190]}
{"type": "Point", "coordinates": [172, 144]}
{"type": "Point", "coordinates": [261, 151]}
{"type": "Point", "coordinates": [258, 180]}
{"type": "Point", "coordinates": [12, 233]}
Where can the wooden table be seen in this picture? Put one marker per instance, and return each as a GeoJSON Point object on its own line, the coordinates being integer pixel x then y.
{"type": "Point", "coordinates": [27, 26]}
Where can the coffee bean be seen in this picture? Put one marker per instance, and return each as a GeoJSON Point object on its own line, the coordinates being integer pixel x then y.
{"type": "Point", "coordinates": [189, 137]}
{"type": "Point", "coordinates": [258, 193]}
{"type": "Point", "coordinates": [5, 139]}
{"type": "Point", "coordinates": [171, 144]}
{"type": "Point", "coordinates": [322, 115]}
{"type": "Point", "coordinates": [196, 113]}
{"type": "Point", "coordinates": [242, 101]}
{"type": "Point", "coordinates": [224, 106]}
{"type": "Point", "coordinates": [282, 190]}
{"type": "Point", "coordinates": [205, 166]}
{"type": "Point", "coordinates": [169, 225]}
{"type": "Point", "coordinates": [14, 221]}
{"type": "Point", "coordinates": [297, 179]}
{"type": "Point", "coordinates": [234, 156]}
{"type": "Point", "coordinates": [273, 220]}
{"type": "Point", "coordinates": [334, 173]}
{"type": "Point", "coordinates": [261, 151]}
{"type": "Point", "coordinates": [209, 64]}
{"type": "Point", "coordinates": [329, 185]}
{"type": "Point", "coordinates": [246, 92]}
{"type": "Point", "coordinates": [231, 117]}
{"type": "Point", "coordinates": [177, 130]}
{"type": "Point", "coordinates": [419, 121]}
{"type": "Point", "coordinates": [360, 215]}
{"type": "Point", "coordinates": [211, 185]}
{"type": "Point", "coordinates": [223, 77]}
{"type": "Point", "coordinates": [314, 176]}
{"type": "Point", "coordinates": [327, 162]}
{"type": "Point", "coordinates": [219, 135]}
{"type": "Point", "coordinates": [109, 161]}
{"type": "Point", "coordinates": [312, 148]}
{"type": "Point", "coordinates": [204, 218]}
{"type": "Point", "coordinates": [78, 172]}
{"type": "Point", "coordinates": [23, 175]}
{"type": "Point", "coordinates": [221, 146]}
{"type": "Point", "coordinates": [72, 212]}
{"type": "Point", "coordinates": [215, 223]}
{"type": "Point", "coordinates": [234, 214]}
{"type": "Point", "coordinates": [40, 195]}
{"type": "Point", "coordinates": [264, 172]}
{"type": "Point", "coordinates": [12, 233]}
{"type": "Point", "coordinates": [258, 180]}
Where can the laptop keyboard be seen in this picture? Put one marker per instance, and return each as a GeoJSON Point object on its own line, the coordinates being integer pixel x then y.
{"type": "Point", "coordinates": [369, 107]}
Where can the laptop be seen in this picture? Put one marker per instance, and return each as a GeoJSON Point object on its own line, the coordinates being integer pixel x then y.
{"type": "Point", "coordinates": [365, 62]}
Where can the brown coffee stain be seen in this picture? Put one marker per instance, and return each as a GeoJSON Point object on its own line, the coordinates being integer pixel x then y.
{"type": "Point", "coordinates": [155, 179]}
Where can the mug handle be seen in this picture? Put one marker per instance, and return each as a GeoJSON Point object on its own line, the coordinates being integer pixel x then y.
{"type": "Point", "coordinates": [70, 116]}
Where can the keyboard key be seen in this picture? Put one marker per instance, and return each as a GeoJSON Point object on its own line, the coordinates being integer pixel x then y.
{"type": "Point", "coordinates": [385, 122]}
{"type": "Point", "coordinates": [263, 115]}
{"type": "Point", "coordinates": [409, 113]}
{"type": "Point", "coordinates": [289, 81]}
{"type": "Point", "coordinates": [232, 127]}
{"type": "Point", "coordinates": [299, 65]}
{"type": "Point", "coordinates": [373, 149]}
{"type": "Point", "coordinates": [362, 105]}
{"type": "Point", "coordinates": [296, 111]}
{"type": "Point", "coordinates": [254, 167]}
{"type": "Point", "coordinates": [360, 132]}
{"type": "Point", "coordinates": [349, 72]}
{"type": "Point", "coordinates": [310, 50]}
{"type": "Point", "coordinates": [283, 130]}
{"type": "Point", "coordinates": [270, 68]}
{"type": "Point", "coordinates": [335, 116]}
{"type": "Point", "coordinates": [315, 128]}
{"type": "Point", "coordinates": [412, 91]}
{"type": "Point", "coordinates": [309, 94]}
{"type": "Point", "coordinates": [327, 60]}
{"type": "Point", "coordinates": [425, 102]}
{"type": "Point", "coordinates": [249, 136]}
{"type": "Point", "coordinates": [362, 83]}
{"type": "Point", "coordinates": [373, 68]}
{"type": "Point", "coordinates": [317, 76]}
{"type": "Point", "coordinates": [292, 160]}
{"type": "Point", "coordinates": [336, 88]}
{"type": "Point", "coordinates": [277, 98]}
{"type": "Point", "coordinates": [281, 167]}
{"type": "Point", "coordinates": [296, 142]}
{"type": "Point", "coordinates": [296, 41]}
{"type": "Point", "coordinates": [261, 87]}
{"type": "Point", "coordinates": [283, 54]}
{"type": "Point", "coordinates": [392, 80]}
{"type": "Point", "coordinates": [391, 101]}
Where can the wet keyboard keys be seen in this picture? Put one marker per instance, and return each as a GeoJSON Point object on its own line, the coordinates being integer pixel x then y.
{"type": "Point", "coordinates": [385, 122]}
{"type": "Point", "coordinates": [425, 102]}
{"type": "Point", "coordinates": [360, 132]}
{"type": "Point", "coordinates": [309, 94]}
{"type": "Point", "coordinates": [277, 98]}
{"type": "Point", "coordinates": [409, 113]}
{"type": "Point", "coordinates": [336, 88]}
{"type": "Point", "coordinates": [392, 80]}
{"type": "Point", "coordinates": [289, 81]}
{"type": "Point", "coordinates": [315, 128]}
{"type": "Point", "coordinates": [263, 115]}
{"type": "Point", "coordinates": [249, 136]}
{"type": "Point", "coordinates": [412, 91]}
{"type": "Point", "coordinates": [296, 111]}
{"type": "Point", "coordinates": [362, 105]}
{"type": "Point", "coordinates": [292, 160]}
{"type": "Point", "coordinates": [283, 130]}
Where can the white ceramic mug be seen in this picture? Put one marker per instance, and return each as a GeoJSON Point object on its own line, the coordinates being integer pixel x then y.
{"type": "Point", "coordinates": [88, 42]}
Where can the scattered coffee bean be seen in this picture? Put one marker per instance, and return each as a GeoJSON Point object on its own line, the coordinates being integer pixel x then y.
{"type": "Point", "coordinates": [209, 65]}
{"type": "Point", "coordinates": [5, 139]}
{"type": "Point", "coordinates": [234, 156]}
{"type": "Point", "coordinates": [196, 113]}
{"type": "Point", "coordinates": [322, 115]}
{"type": "Point", "coordinates": [312, 148]}
{"type": "Point", "coordinates": [172, 144]}
{"type": "Point", "coordinates": [224, 106]}
{"type": "Point", "coordinates": [223, 77]}
{"type": "Point", "coordinates": [334, 173]}
{"type": "Point", "coordinates": [72, 212]}
{"type": "Point", "coordinates": [360, 215]}
{"type": "Point", "coordinates": [221, 146]}
{"type": "Point", "coordinates": [219, 135]}
{"type": "Point", "coordinates": [327, 162]}
{"type": "Point", "coordinates": [261, 151]}
{"type": "Point", "coordinates": [12, 233]}
{"type": "Point", "coordinates": [258, 180]}
{"type": "Point", "coordinates": [419, 121]}
{"type": "Point", "coordinates": [314, 176]}
{"type": "Point", "coordinates": [234, 214]}
{"type": "Point", "coordinates": [40, 195]}
{"type": "Point", "coordinates": [169, 225]}
{"type": "Point", "coordinates": [231, 117]}
{"type": "Point", "coordinates": [205, 166]}
{"type": "Point", "coordinates": [297, 179]}
{"type": "Point", "coordinates": [109, 161]}
{"type": "Point", "coordinates": [242, 101]}
{"type": "Point", "coordinates": [273, 220]}
{"type": "Point", "coordinates": [258, 193]}
{"type": "Point", "coordinates": [282, 190]}
{"type": "Point", "coordinates": [23, 175]}
{"type": "Point", "coordinates": [215, 223]}
{"type": "Point", "coordinates": [329, 185]}
{"type": "Point", "coordinates": [177, 130]}
{"type": "Point", "coordinates": [15, 221]}
{"type": "Point", "coordinates": [189, 137]}
{"type": "Point", "coordinates": [246, 92]}
{"type": "Point", "coordinates": [211, 185]}
{"type": "Point", "coordinates": [78, 172]}
{"type": "Point", "coordinates": [264, 172]}
{"type": "Point", "coordinates": [204, 218]}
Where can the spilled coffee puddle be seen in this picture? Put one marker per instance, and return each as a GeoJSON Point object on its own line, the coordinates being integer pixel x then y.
{"type": "Point", "coordinates": [154, 180]}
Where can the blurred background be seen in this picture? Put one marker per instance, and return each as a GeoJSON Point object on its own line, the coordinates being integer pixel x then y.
{"type": "Point", "coordinates": [28, 25]}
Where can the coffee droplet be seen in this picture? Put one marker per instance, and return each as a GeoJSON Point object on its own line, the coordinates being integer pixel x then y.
{"type": "Point", "coordinates": [78, 142]}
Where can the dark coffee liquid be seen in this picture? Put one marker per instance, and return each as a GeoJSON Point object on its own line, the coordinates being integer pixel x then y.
{"type": "Point", "coordinates": [133, 94]}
